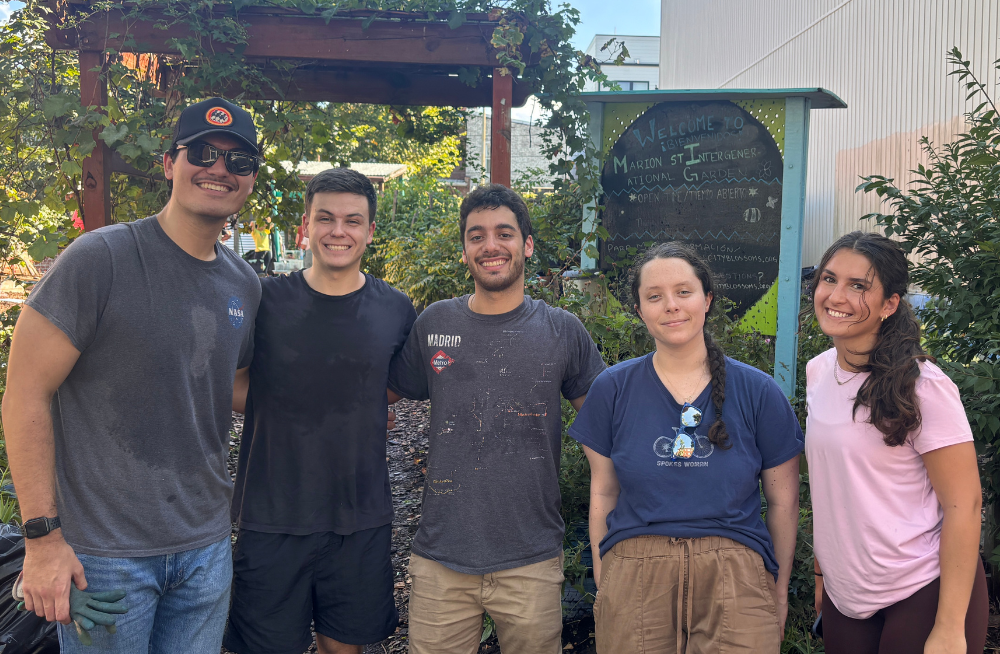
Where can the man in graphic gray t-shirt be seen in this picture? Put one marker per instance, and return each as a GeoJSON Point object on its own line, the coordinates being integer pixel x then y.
{"type": "Point", "coordinates": [494, 366]}
{"type": "Point", "coordinates": [117, 410]}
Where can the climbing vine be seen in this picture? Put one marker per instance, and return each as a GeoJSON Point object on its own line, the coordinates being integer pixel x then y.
{"type": "Point", "coordinates": [45, 133]}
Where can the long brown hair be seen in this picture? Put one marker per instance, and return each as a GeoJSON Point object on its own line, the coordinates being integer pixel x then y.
{"type": "Point", "coordinates": [717, 433]}
{"type": "Point", "coordinates": [890, 390]}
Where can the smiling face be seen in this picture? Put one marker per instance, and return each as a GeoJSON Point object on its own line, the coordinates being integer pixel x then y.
{"type": "Point", "coordinates": [338, 229]}
{"type": "Point", "coordinates": [849, 300]}
{"type": "Point", "coordinates": [495, 250]}
{"type": "Point", "coordinates": [672, 302]}
{"type": "Point", "coordinates": [211, 194]}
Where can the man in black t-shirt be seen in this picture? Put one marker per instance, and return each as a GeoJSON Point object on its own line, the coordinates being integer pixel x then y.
{"type": "Point", "coordinates": [312, 497]}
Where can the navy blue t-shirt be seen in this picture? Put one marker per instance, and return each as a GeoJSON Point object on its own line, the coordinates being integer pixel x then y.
{"type": "Point", "coordinates": [630, 417]}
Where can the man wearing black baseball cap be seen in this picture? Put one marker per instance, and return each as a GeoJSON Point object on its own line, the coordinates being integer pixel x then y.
{"type": "Point", "coordinates": [117, 409]}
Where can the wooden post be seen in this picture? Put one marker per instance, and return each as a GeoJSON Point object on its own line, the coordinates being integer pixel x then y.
{"type": "Point", "coordinates": [503, 96]}
{"type": "Point", "coordinates": [96, 209]}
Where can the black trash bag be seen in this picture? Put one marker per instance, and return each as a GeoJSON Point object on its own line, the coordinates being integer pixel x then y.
{"type": "Point", "coordinates": [21, 632]}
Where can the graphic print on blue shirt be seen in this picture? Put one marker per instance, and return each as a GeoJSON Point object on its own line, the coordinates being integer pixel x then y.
{"type": "Point", "coordinates": [682, 445]}
{"type": "Point", "coordinates": [689, 488]}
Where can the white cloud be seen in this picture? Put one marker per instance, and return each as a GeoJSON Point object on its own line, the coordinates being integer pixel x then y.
{"type": "Point", "coordinates": [7, 8]}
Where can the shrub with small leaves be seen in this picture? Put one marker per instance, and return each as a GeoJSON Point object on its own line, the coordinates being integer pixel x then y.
{"type": "Point", "coordinates": [949, 217]}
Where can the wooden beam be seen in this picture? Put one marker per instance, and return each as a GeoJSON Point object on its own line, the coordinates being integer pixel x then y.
{"type": "Point", "coordinates": [377, 86]}
{"type": "Point", "coordinates": [293, 37]}
{"type": "Point", "coordinates": [503, 92]}
{"type": "Point", "coordinates": [96, 209]}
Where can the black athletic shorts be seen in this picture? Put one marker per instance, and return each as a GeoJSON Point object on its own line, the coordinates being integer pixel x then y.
{"type": "Point", "coordinates": [283, 583]}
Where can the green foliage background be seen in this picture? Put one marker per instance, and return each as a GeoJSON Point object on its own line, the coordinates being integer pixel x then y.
{"type": "Point", "coordinates": [949, 217]}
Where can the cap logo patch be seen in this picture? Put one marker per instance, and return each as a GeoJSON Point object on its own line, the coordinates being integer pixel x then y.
{"type": "Point", "coordinates": [219, 117]}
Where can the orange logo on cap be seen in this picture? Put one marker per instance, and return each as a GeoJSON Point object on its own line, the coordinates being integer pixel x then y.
{"type": "Point", "coordinates": [219, 117]}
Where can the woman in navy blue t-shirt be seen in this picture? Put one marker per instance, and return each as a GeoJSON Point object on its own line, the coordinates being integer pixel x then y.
{"type": "Point", "coordinates": [679, 442]}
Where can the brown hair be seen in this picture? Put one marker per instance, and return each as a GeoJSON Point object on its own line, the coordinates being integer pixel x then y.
{"type": "Point", "coordinates": [494, 196]}
{"type": "Point", "coordinates": [890, 390]}
{"type": "Point", "coordinates": [342, 180]}
{"type": "Point", "coordinates": [717, 434]}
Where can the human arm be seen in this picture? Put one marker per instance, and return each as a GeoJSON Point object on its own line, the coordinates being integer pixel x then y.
{"type": "Point", "coordinates": [954, 475]}
{"type": "Point", "coordinates": [241, 385]}
{"type": "Point", "coordinates": [818, 602]}
{"type": "Point", "coordinates": [781, 490]}
{"type": "Point", "coordinates": [604, 491]}
{"type": "Point", "coordinates": [393, 398]}
{"type": "Point", "coordinates": [41, 357]}
{"type": "Point", "coordinates": [578, 402]}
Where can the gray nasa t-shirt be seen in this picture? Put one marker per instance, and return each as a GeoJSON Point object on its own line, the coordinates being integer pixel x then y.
{"type": "Point", "coordinates": [142, 421]}
{"type": "Point", "coordinates": [491, 495]}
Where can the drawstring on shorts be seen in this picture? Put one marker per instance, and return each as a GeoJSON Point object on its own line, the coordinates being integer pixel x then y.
{"type": "Point", "coordinates": [685, 611]}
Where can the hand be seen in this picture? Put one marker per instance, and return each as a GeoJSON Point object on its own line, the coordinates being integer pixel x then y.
{"type": "Point", "coordinates": [946, 641]}
{"type": "Point", "coordinates": [91, 609]}
{"type": "Point", "coordinates": [819, 595]}
{"type": "Point", "coordinates": [391, 424]}
{"type": "Point", "coordinates": [50, 569]}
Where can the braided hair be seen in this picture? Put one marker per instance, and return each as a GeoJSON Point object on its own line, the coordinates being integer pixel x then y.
{"type": "Point", "coordinates": [717, 433]}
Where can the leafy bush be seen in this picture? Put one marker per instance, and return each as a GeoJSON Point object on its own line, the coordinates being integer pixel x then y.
{"type": "Point", "coordinates": [948, 218]}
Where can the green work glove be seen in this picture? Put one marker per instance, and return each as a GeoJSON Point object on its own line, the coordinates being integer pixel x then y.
{"type": "Point", "coordinates": [87, 610]}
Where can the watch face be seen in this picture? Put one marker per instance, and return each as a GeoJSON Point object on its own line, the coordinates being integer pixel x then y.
{"type": "Point", "coordinates": [39, 527]}
{"type": "Point", "coordinates": [35, 528]}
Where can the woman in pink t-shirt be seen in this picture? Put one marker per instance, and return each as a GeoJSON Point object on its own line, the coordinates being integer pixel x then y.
{"type": "Point", "coordinates": [893, 471]}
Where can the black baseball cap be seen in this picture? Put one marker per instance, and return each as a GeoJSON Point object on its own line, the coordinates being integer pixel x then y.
{"type": "Point", "coordinates": [216, 116]}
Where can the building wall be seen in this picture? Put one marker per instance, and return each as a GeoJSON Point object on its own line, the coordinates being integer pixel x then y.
{"type": "Point", "coordinates": [885, 58]}
{"type": "Point", "coordinates": [525, 148]}
{"type": "Point", "coordinates": [642, 65]}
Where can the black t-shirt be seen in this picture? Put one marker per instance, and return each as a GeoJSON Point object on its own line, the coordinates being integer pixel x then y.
{"type": "Point", "coordinates": [312, 456]}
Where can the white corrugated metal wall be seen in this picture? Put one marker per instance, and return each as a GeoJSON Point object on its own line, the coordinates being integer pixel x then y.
{"type": "Point", "coordinates": [885, 58]}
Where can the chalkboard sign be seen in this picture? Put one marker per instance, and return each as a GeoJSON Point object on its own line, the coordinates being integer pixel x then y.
{"type": "Point", "coordinates": [708, 174]}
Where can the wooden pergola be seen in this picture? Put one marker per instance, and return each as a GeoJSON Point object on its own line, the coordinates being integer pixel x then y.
{"type": "Point", "coordinates": [399, 58]}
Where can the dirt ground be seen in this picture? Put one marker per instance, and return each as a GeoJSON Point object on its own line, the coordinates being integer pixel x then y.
{"type": "Point", "coordinates": [407, 455]}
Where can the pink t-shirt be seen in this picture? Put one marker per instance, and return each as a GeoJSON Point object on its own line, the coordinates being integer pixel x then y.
{"type": "Point", "coordinates": [876, 518]}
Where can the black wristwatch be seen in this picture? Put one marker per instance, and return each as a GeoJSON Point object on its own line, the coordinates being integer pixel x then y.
{"type": "Point", "coordinates": [38, 527]}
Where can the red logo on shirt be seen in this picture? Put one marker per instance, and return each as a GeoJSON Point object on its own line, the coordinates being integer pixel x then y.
{"type": "Point", "coordinates": [440, 361]}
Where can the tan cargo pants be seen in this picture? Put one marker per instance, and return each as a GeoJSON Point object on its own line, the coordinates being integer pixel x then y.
{"type": "Point", "coordinates": [661, 595]}
{"type": "Point", "coordinates": [446, 608]}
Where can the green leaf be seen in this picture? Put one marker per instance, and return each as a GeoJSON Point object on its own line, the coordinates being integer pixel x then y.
{"type": "Point", "coordinates": [982, 159]}
{"type": "Point", "coordinates": [71, 168]}
{"type": "Point", "coordinates": [456, 19]}
{"type": "Point", "coordinates": [148, 143]}
{"type": "Point", "coordinates": [114, 133]}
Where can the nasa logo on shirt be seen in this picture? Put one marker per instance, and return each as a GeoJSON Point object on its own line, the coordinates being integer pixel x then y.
{"type": "Point", "coordinates": [235, 312]}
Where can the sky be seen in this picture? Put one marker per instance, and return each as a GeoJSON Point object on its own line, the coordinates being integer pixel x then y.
{"type": "Point", "coordinates": [6, 8]}
{"type": "Point", "coordinates": [632, 17]}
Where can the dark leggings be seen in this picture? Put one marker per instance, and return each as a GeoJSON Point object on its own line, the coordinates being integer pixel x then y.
{"type": "Point", "coordinates": [903, 628]}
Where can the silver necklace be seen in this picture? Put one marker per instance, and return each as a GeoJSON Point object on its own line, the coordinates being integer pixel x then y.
{"type": "Point", "coordinates": [836, 377]}
{"type": "Point", "coordinates": [697, 388]}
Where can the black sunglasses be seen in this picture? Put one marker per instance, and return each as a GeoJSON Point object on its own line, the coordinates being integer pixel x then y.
{"type": "Point", "coordinates": [238, 162]}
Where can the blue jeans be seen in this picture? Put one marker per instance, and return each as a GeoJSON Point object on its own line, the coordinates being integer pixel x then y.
{"type": "Point", "coordinates": [177, 602]}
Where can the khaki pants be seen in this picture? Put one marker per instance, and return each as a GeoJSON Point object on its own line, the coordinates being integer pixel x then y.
{"type": "Point", "coordinates": [446, 608]}
{"type": "Point", "coordinates": [661, 595]}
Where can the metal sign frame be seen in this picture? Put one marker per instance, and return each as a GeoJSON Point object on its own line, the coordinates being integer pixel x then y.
{"type": "Point", "coordinates": [798, 103]}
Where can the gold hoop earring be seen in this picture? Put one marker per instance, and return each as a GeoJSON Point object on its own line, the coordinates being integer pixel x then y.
{"type": "Point", "coordinates": [884, 317]}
